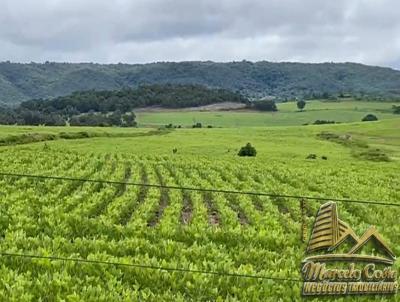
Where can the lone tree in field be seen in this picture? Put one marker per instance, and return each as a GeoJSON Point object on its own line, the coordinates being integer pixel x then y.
{"type": "Point", "coordinates": [301, 104]}
{"type": "Point", "coordinates": [369, 118]}
{"type": "Point", "coordinates": [247, 150]}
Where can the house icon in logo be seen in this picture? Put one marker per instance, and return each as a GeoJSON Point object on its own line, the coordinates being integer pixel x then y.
{"type": "Point", "coordinates": [329, 233]}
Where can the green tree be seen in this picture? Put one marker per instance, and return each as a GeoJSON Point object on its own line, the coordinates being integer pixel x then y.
{"type": "Point", "coordinates": [128, 120]}
{"type": "Point", "coordinates": [265, 105]}
{"type": "Point", "coordinates": [301, 104]}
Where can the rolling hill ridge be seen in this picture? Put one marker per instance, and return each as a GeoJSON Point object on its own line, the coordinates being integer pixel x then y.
{"type": "Point", "coordinates": [20, 82]}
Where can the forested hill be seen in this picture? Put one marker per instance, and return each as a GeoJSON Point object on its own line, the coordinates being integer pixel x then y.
{"type": "Point", "coordinates": [165, 95]}
{"type": "Point", "coordinates": [19, 82]}
{"type": "Point", "coordinates": [112, 107]}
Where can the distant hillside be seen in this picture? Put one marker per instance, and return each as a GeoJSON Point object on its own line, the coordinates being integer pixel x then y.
{"type": "Point", "coordinates": [19, 82]}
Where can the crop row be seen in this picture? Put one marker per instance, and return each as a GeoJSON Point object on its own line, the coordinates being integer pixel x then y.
{"type": "Point", "coordinates": [246, 234]}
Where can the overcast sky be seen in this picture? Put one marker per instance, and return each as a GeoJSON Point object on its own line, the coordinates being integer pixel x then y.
{"type": "Point", "coordinates": [138, 31]}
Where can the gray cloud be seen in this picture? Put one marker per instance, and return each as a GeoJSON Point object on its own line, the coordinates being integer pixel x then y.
{"type": "Point", "coordinates": [135, 31]}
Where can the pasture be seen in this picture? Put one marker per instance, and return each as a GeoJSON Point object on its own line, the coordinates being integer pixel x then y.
{"type": "Point", "coordinates": [287, 115]}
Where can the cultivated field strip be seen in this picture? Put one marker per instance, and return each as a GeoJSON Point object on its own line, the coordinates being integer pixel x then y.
{"type": "Point", "coordinates": [175, 228]}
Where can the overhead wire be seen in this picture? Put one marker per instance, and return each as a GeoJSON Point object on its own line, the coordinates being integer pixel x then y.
{"type": "Point", "coordinates": [170, 269]}
{"type": "Point", "coordinates": [151, 267]}
{"type": "Point", "coordinates": [210, 190]}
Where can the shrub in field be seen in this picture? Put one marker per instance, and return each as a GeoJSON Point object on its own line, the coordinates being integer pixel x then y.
{"type": "Point", "coordinates": [377, 155]}
{"type": "Point", "coordinates": [247, 150]}
{"type": "Point", "coordinates": [172, 126]}
{"type": "Point", "coordinates": [26, 138]}
{"type": "Point", "coordinates": [74, 135]}
{"type": "Point", "coordinates": [369, 118]}
{"type": "Point", "coordinates": [344, 139]}
{"type": "Point", "coordinates": [324, 157]}
{"type": "Point", "coordinates": [322, 122]}
{"type": "Point", "coordinates": [328, 136]}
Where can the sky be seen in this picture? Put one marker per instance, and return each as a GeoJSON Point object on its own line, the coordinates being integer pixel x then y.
{"type": "Point", "coordinates": [141, 31]}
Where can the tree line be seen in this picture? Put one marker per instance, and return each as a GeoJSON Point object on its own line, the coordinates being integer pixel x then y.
{"type": "Point", "coordinates": [21, 116]}
{"type": "Point", "coordinates": [166, 96]}
{"type": "Point", "coordinates": [112, 107]}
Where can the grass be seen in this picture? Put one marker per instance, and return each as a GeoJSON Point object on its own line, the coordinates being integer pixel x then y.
{"type": "Point", "coordinates": [94, 131]}
{"type": "Point", "coordinates": [288, 115]}
{"type": "Point", "coordinates": [44, 134]}
{"type": "Point", "coordinates": [278, 143]}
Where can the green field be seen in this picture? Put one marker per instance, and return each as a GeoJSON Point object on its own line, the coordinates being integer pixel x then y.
{"type": "Point", "coordinates": [287, 115]}
{"type": "Point", "coordinates": [239, 234]}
